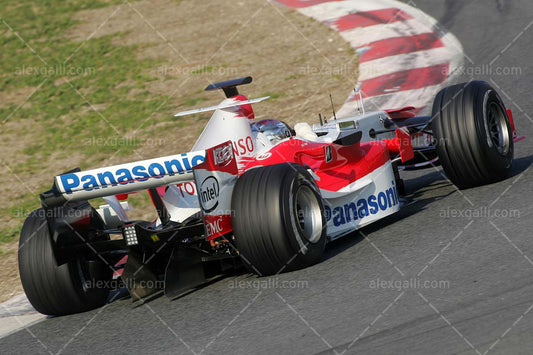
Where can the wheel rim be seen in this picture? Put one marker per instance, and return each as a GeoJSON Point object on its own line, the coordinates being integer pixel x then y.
{"type": "Point", "coordinates": [497, 130]}
{"type": "Point", "coordinates": [308, 214]}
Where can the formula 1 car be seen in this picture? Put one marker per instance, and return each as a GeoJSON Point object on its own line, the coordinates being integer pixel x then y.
{"type": "Point", "coordinates": [259, 194]}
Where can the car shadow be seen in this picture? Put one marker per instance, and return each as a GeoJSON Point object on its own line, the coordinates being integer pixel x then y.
{"type": "Point", "coordinates": [433, 182]}
{"type": "Point", "coordinates": [520, 165]}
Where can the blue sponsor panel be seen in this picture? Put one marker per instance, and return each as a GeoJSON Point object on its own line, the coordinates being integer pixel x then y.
{"type": "Point", "coordinates": [129, 173]}
{"type": "Point", "coordinates": [361, 210]}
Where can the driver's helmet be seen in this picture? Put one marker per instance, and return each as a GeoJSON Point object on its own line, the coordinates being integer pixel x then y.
{"type": "Point", "coordinates": [274, 130]}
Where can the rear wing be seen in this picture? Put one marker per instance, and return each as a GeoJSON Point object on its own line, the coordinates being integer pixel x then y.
{"type": "Point", "coordinates": [230, 86]}
{"type": "Point", "coordinates": [222, 106]}
{"type": "Point", "coordinates": [121, 179]}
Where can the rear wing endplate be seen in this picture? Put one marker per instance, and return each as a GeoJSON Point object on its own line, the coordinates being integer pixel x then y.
{"type": "Point", "coordinates": [215, 179]}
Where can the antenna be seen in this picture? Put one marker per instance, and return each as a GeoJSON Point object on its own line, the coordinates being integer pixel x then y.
{"type": "Point", "coordinates": [320, 119]}
{"type": "Point", "coordinates": [332, 107]}
{"type": "Point", "coordinates": [355, 91]}
{"type": "Point", "coordinates": [359, 98]}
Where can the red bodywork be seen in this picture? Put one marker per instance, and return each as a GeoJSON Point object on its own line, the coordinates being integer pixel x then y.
{"type": "Point", "coordinates": [335, 165]}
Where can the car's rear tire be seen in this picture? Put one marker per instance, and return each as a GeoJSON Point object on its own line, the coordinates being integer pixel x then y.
{"type": "Point", "coordinates": [278, 222]}
{"type": "Point", "coordinates": [53, 289]}
{"type": "Point", "coordinates": [473, 134]}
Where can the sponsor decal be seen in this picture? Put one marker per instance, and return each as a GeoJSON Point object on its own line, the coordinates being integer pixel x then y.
{"type": "Point", "coordinates": [128, 174]}
{"type": "Point", "coordinates": [187, 187]}
{"type": "Point", "coordinates": [243, 146]}
{"type": "Point", "coordinates": [264, 156]}
{"type": "Point", "coordinates": [209, 192]}
{"type": "Point", "coordinates": [222, 155]}
{"type": "Point", "coordinates": [363, 207]}
{"type": "Point", "coordinates": [214, 227]}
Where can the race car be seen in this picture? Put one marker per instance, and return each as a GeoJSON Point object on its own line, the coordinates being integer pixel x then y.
{"type": "Point", "coordinates": [256, 193]}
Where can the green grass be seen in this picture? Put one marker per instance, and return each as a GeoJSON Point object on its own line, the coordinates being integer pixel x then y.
{"type": "Point", "coordinates": [293, 76]}
{"type": "Point", "coordinates": [203, 70]}
{"type": "Point", "coordinates": [90, 94]}
{"type": "Point", "coordinates": [80, 98]}
{"type": "Point", "coordinates": [26, 202]}
{"type": "Point", "coordinates": [8, 235]}
{"type": "Point", "coordinates": [193, 101]}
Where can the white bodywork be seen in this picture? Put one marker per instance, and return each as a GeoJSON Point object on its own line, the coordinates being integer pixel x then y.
{"type": "Point", "coordinates": [364, 123]}
{"type": "Point", "coordinates": [365, 201]}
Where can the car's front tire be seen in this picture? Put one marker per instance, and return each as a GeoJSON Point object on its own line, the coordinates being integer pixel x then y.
{"type": "Point", "coordinates": [473, 134]}
{"type": "Point", "coordinates": [278, 222]}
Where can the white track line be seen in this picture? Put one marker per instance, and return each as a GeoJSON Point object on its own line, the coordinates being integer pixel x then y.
{"type": "Point", "coordinates": [17, 313]}
{"type": "Point", "coordinates": [396, 63]}
{"type": "Point", "coordinates": [335, 9]}
{"type": "Point", "coordinates": [358, 37]}
{"type": "Point", "coordinates": [416, 98]}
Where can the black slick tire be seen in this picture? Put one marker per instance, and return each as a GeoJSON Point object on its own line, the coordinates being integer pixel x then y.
{"type": "Point", "coordinates": [278, 222]}
{"type": "Point", "coordinates": [52, 289]}
{"type": "Point", "coordinates": [473, 134]}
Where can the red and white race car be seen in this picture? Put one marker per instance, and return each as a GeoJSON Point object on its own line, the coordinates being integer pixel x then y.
{"type": "Point", "coordinates": [255, 193]}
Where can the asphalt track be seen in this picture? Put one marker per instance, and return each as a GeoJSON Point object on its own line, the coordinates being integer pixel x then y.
{"type": "Point", "coordinates": [486, 300]}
